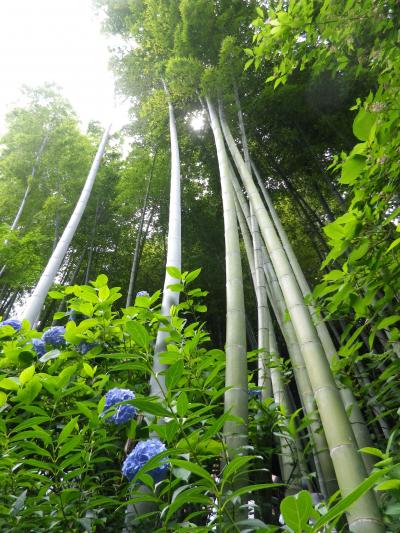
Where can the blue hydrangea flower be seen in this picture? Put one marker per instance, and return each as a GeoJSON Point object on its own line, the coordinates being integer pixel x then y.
{"type": "Point", "coordinates": [142, 293]}
{"type": "Point", "coordinates": [255, 392]}
{"type": "Point", "coordinates": [55, 336]}
{"type": "Point", "coordinates": [123, 413]}
{"type": "Point", "coordinates": [39, 346]}
{"type": "Point", "coordinates": [140, 455]}
{"type": "Point", "coordinates": [85, 347]}
{"type": "Point", "coordinates": [13, 322]}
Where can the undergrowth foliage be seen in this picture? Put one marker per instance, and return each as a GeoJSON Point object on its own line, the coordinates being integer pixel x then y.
{"type": "Point", "coordinates": [82, 439]}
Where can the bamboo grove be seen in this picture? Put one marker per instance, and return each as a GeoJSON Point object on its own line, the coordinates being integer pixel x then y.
{"type": "Point", "coordinates": [268, 399]}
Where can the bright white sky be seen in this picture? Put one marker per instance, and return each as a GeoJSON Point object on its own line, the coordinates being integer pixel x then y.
{"type": "Point", "coordinates": [57, 41]}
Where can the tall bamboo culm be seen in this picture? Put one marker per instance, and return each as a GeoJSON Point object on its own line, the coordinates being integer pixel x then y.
{"type": "Point", "coordinates": [350, 472]}
{"type": "Point", "coordinates": [360, 430]}
{"type": "Point", "coordinates": [236, 398]}
{"type": "Point", "coordinates": [170, 298]}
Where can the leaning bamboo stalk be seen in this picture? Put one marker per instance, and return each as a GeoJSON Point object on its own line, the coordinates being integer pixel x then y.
{"type": "Point", "coordinates": [138, 245]}
{"type": "Point", "coordinates": [288, 456]}
{"type": "Point", "coordinates": [350, 472]}
{"type": "Point", "coordinates": [27, 191]}
{"type": "Point", "coordinates": [360, 430]}
{"type": "Point", "coordinates": [323, 463]}
{"type": "Point", "coordinates": [39, 294]}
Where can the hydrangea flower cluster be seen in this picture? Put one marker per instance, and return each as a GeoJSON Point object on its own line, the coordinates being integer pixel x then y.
{"type": "Point", "coordinates": [255, 392]}
{"type": "Point", "coordinates": [123, 413]}
{"type": "Point", "coordinates": [39, 346]}
{"type": "Point", "coordinates": [140, 455]}
{"type": "Point", "coordinates": [13, 322]}
{"type": "Point", "coordinates": [55, 336]}
{"type": "Point", "coordinates": [85, 347]}
{"type": "Point", "coordinates": [142, 293]}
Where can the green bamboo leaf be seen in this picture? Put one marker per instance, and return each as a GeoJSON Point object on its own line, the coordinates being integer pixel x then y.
{"type": "Point", "coordinates": [388, 321]}
{"type": "Point", "coordinates": [345, 503]}
{"type": "Point", "coordinates": [393, 245]}
{"type": "Point", "coordinates": [373, 451]}
{"type": "Point", "coordinates": [389, 484]}
{"type": "Point", "coordinates": [250, 488]}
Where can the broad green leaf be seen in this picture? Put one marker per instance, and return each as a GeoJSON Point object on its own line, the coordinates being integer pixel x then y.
{"type": "Point", "coordinates": [363, 123]}
{"type": "Point", "coordinates": [56, 295]}
{"type": "Point", "coordinates": [192, 276]}
{"type": "Point", "coordinates": [297, 510]}
{"type": "Point", "coordinates": [104, 293]}
{"type": "Point", "coordinates": [53, 354]}
{"type": "Point", "coordinates": [27, 374]}
{"type": "Point", "coordinates": [174, 374]}
{"type": "Point", "coordinates": [67, 430]}
{"type": "Point", "coordinates": [235, 466]}
{"type": "Point", "coordinates": [174, 272]}
{"type": "Point", "coordinates": [10, 383]}
{"type": "Point", "coordinates": [138, 333]}
{"type": "Point", "coordinates": [194, 468]}
{"type": "Point", "coordinates": [352, 168]}
{"type": "Point", "coordinates": [176, 287]}
{"type": "Point", "coordinates": [3, 398]}
{"type": "Point", "coordinates": [150, 406]}
{"type": "Point", "coordinates": [359, 252]}
{"type": "Point", "coordinates": [101, 281]}
{"type": "Point", "coordinates": [182, 404]}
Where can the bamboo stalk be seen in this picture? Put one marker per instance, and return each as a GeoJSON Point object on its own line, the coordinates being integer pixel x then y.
{"type": "Point", "coordinates": [350, 472]}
